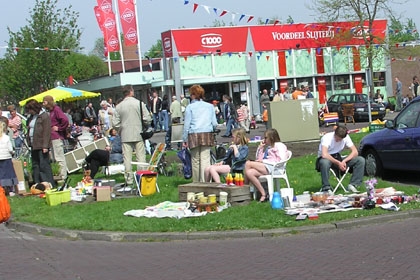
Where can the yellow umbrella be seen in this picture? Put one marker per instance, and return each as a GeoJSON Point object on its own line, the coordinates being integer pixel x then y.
{"type": "Point", "coordinates": [62, 94]}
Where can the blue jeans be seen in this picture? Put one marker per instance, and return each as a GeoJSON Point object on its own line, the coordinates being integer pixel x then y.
{"type": "Point", "coordinates": [357, 163]}
{"type": "Point", "coordinates": [165, 119]}
{"type": "Point", "coordinates": [18, 145]}
{"type": "Point", "coordinates": [156, 121]}
{"type": "Point", "coordinates": [230, 123]}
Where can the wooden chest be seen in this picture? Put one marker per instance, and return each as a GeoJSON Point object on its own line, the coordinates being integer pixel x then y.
{"type": "Point", "coordinates": [236, 195]}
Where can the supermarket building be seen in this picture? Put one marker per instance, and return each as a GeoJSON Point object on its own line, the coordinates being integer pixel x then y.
{"type": "Point", "coordinates": [241, 61]}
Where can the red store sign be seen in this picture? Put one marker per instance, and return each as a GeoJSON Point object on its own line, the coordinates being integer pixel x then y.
{"type": "Point", "coordinates": [271, 37]}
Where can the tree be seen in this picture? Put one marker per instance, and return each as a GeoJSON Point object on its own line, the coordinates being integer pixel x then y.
{"type": "Point", "coordinates": [155, 50]}
{"type": "Point", "coordinates": [400, 32]}
{"type": "Point", "coordinates": [36, 54]}
{"type": "Point", "coordinates": [81, 67]}
{"type": "Point", "coordinates": [355, 10]}
{"type": "Point", "coordinates": [99, 48]}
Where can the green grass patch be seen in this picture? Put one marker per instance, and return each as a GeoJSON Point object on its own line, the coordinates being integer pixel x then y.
{"type": "Point", "coordinates": [108, 216]}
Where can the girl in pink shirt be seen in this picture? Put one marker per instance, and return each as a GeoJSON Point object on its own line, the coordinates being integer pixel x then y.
{"type": "Point", "coordinates": [270, 151]}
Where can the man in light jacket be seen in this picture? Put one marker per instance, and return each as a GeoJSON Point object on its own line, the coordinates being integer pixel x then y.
{"type": "Point", "coordinates": [128, 121]}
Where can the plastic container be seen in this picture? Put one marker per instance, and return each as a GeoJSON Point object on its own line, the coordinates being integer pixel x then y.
{"type": "Point", "coordinates": [277, 201]}
{"type": "Point", "coordinates": [304, 198]}
{"type": "Point", "coordinates": [375, 127]}
{"type": "Point", "coordinates": [56, 198]}
{"type": "Point", "coordinates": [223, 198]}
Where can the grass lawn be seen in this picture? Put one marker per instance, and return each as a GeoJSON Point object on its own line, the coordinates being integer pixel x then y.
{"type": "Point", "coordinates": [108, 216]}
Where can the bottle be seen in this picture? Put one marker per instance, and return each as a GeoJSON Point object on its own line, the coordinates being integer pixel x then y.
{"type": "Point", "coordinates": [277, 201]}
{"type": "Point", "coordinates": [228, 179]}
{"type": "Point", "coordinates": [241, 179]}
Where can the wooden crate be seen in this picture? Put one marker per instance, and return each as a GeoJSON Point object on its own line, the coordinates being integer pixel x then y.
{"type": "Point", "coordinates": [236, 195]}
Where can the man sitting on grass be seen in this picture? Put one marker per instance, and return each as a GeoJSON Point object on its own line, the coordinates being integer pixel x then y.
{"type": "Point", "coordinates": [329, 151]}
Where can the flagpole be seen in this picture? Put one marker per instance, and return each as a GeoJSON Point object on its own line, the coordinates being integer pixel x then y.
{"type": "Point", "coordinates": [109, 65]}
{"type": "Point", "coordinates": [138, 35]}
{"type": "Point", "coordinates": [117, 22]}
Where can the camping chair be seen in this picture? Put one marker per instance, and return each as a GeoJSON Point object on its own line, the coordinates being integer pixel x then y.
{"type": "Point", "coordinates": [338, 175]}
{"type": "Point", "coordinates": [279, 172]}
{"type": "Point", "coordinates": [153, 163]}
{"type": "Point", "coordinates": [348, 112]}
{"type": "Point", "coordinates": [151, 166]}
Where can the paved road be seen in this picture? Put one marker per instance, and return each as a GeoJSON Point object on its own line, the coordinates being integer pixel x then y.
{"type": "Point", "coordinates": [379, 251]}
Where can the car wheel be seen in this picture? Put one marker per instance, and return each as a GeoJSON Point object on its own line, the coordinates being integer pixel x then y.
{"type": "Point", "coordinates": [373, 163]}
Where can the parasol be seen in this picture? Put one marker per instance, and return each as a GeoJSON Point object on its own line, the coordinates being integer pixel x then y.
{"type": "Point", "coordinates": [62, 94]}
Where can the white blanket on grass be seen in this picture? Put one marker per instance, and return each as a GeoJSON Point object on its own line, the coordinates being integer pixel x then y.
{"type": "Point", "coordinates": [168, 209]}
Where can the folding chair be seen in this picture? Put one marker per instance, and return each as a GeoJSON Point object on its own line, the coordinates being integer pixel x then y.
{"type": "Point", "coordinates": [153, 163]}
{"type": "Point", "coordinates": [339, 176]}
{"type": "Point", "coordinates": [151, 166]}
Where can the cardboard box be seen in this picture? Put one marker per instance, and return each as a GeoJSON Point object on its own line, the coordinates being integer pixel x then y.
{"type": "Point", "coordinates": [18, 167]}
{"type": "Point", "coordinates": [102, 193]}
{"type": "Point", "coordinates": [105, 182]}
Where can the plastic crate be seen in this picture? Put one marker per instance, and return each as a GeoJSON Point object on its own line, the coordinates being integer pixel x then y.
{"type": "Point", "coordinates": [56, 198]}
{"type": "Point", "coordinates": [375, 127]}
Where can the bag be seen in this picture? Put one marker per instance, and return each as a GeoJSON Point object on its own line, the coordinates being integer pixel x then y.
{"type": "Point", "coordinates": [265, 115]}
{"type": "Point", "coordinates": [147, 182]}
{"type": "Point", "coordinates": [185, 156]}
{"type": "Point", "coordinates": [147, 131]}
{"type": "Point", "coordinates": [4, 207]}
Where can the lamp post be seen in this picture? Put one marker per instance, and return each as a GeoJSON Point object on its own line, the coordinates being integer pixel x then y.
{"type": "Point", "coordinates": [368, 75]}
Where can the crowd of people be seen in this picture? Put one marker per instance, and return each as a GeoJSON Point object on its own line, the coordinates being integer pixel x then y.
{"type": "Point", "coordinates": [47, 127]}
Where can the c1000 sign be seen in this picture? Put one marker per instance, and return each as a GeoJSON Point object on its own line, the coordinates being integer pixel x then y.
{"type": "Point", "coordinates": [211, 40]}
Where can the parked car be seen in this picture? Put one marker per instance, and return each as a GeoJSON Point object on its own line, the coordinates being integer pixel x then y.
{"type": "Point", "coordinates": [361, 109]}
{"type": "Point", "coordinates": [397, 146]}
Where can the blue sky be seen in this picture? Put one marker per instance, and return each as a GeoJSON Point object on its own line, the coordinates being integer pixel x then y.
{"type": "Point", "coordinates": [156, 16]}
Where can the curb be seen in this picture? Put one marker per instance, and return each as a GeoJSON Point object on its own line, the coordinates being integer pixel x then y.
{"type": "Point", "coordinates": [184, 236]}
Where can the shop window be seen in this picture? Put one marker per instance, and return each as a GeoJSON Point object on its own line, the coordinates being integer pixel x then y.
{"type": "Point", "coordinates": [341, 82]}
{"type": "Point", "coordinates": [379, 79]}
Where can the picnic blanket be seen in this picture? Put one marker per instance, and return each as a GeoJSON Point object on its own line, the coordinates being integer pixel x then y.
{"type": "Point", "coordinates": [168, 209]}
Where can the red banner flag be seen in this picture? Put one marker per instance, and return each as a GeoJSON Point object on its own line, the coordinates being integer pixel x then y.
{"type": "Point", "coordinates": [106, 18]}
{"type": "Point", "coordinates": [127, 12]}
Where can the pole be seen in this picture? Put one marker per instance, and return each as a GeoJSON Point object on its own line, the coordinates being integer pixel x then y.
{"type": "Point", "coordinates": [368, 75]}
{"type": "Point", "coordinates": [119, 34]}
{"type": "Point", "coordinates": [138, 36]}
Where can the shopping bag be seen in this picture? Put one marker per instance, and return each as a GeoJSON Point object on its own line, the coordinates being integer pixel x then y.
{"type": "Point", "coordinates": [147, 182]}
{"type": "Point", "coordinates": [185, 156]}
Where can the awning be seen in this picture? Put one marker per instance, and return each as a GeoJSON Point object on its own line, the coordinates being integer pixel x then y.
{"type": "Point", "coordinates": [62, 94]}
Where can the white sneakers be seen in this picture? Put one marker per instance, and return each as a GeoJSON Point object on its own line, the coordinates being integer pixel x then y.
{"type": "Point", "coordinates": [352, 188]}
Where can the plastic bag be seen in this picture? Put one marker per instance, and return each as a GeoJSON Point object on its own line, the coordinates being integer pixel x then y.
{"type": "Point", "coordinates": [185, 156]}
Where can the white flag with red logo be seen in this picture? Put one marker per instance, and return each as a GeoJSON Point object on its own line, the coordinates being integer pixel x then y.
{"type": "Point", "coordinates": [127, 12]}
{"type": "Point", "coordinates": [108, 25]}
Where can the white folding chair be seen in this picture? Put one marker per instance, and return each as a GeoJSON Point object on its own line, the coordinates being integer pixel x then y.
{"type": "Point", "coordinates": [339, 177]}
{"type": "Point", "coordinates": [279, 172]}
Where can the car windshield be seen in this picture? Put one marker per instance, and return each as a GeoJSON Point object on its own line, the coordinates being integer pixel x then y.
{"type": "Point", "coordinates": [409, 117]}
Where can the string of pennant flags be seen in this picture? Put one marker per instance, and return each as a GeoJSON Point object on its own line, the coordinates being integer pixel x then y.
{"type": "Point", "coordinates": [220, 12]}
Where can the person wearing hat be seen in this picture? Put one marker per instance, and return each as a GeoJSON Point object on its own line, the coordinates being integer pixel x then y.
{"type": "Point", "coordinates": [59, 124]}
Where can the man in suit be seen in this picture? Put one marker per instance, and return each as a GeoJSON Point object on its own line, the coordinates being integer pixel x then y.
{"type": "Point", "coordinates": [127, 120]}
